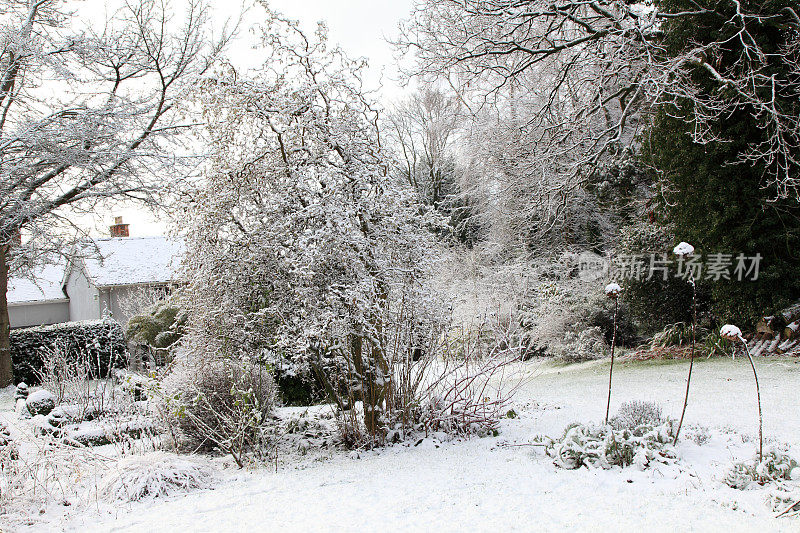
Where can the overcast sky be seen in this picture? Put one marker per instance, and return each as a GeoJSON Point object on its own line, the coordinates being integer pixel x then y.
{"type": "Point", "coordinates": [360, 27]}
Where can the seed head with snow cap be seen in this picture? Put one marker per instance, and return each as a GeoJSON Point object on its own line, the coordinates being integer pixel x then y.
{"type": "Point", "coordinates": [613, 290]}
{"type": "Point", "coordinates": [730, 332]}
{"type": "Point", "coordinates": [683, 249]}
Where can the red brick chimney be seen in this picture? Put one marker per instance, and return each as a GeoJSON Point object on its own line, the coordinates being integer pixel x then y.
{"type": "Point", "coordinates": [119, 229]}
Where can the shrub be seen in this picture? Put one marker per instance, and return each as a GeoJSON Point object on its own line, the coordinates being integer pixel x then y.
{"type": "Point", "coordinates": [604, 447]}
{"type": "Point", "coordinates": [655, 302]}
{"type": "Point", "coordinates": [678, 334]}
{"type": "Point", "coordinates": [776, 464]}
{"type": "Point", "coordinates": [586, 345]}
{"type": "Point", "coordinates": [100, 344]}
{"type": "Point", "coordinates": [602, 317]}
{"type": "Point", "coordinates": [152, 476]}
{"type": "Point", "coordinates": [296, 381]}
{"type": "Point", "coordinates": [224, 404]}
{"type": "Point", "coordinates": [9, 468]}
{"type": "Point", "coordinates": [636, 413]}
{"type": "Point", "coordinates": [159, 328]}
{"type": "Point", "coordinates": [66, 377]}
{"type": "Point", "coordinates": [698, 434]}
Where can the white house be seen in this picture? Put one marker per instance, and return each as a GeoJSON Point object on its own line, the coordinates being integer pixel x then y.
{"type": "Point", "coordinates": [98, 278]}
{"type": "Point", "coordinates": [103, 274]}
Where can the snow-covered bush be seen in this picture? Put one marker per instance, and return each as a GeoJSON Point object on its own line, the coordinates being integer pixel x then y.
{"type": "Point", "coordinates": [301, 245]}
{"type": "Point", "coordinates": [775, 465]}
{"type": "Point", "coordinates": [158, 328]}
{"type": "Point", "coordinates": [587, 344]}
{"type": "Point", "coordinates": [100, 344]}
{"type": "Point", "coordinates": [655, 302]}
{"type": "Point", "coordinates": [154, 475]}
{"type": "Point", "coordinates": [467, 397]}
{"type": "Point", "coordinates": [604, 447]}
{"type": "Point", "coordinates": [8, 451]}
{"type": "Point", "coordinates": [635, 413]}
{"type": "Point", "coordinates": [552, 318]}
{"type": "Point", "coordinates": [678, 334]}
{"type": "Point", "coordinates": [9, 470]}
{"type": "Point", "coordinates": [569, 318]}
{"type": "Point", "coordinates": [698, 434]}
{"type": "Point", "coordinates": [222, 404]}
{"type": "Point", "coordinates": [67, 377]}
{"type": "Point", "coordinates": [600, 314]}
{"type": "Point", "coordinates": [40, 402]}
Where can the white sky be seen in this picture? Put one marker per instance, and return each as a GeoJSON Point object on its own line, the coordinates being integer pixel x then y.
{"type": "Point", "coordinates": [360, 27]}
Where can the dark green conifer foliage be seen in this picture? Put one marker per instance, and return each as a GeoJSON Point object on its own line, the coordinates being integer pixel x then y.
{"type": "Point", "coordinates": [714, 202]}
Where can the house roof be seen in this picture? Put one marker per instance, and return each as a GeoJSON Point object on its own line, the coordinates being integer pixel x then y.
{"type": "Point", "coordinates": [45, 285]}
{"type": "Point", "coordinates": [132, 260]}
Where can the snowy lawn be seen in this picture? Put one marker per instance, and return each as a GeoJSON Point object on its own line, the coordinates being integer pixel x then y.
{"type": "Point", "coordinates": [499, 484]}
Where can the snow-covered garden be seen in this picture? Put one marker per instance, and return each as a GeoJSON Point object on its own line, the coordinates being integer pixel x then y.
{"type": "Point", "coordinates": [482, 483]}
{"type": "Point", "coordinates": [555, 286]}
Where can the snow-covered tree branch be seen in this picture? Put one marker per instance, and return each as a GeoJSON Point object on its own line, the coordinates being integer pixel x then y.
{"type": "Point", "coordinates": [596, 68]}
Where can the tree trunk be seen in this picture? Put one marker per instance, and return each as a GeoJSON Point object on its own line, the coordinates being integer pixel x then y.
{"type": "Point", "coordinates": [372, 380]}
{"type": "Point", "coordinates": [6, 377]}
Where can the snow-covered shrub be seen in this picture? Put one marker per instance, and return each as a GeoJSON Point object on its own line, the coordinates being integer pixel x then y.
{"type": "Point", "coordinates": [223, 404]}
{"type": "Point", "coordinates": [9, 470]}
{"type": "Point", "coordinates": [8, 451]}
{"type": "Point", "coordinates": [158, 328]}
{"type": "Point", "coordinates": [678, 334]}
{"type": "Point", "coordinates": [775, 465]}
{"type": "Point", "coordinates": [571, 318]}
{"type": "Point", "coordinates": [713, 344]}
{"type": "Point", "coordinates": [297, 382]}
{"type": "Point", "coordinates": [655, 302]}
{"type": "Point", "coordinates": [467, 398]}
{"type": "Point", "coordinates": [698, 434]}
{"type": "Point", "coordinates": [40, 402]}
{"type": "Point", "coordinates": [601, 315]}
{"type": "Point", "coordinates": [67, 377]}
{"type": "Point", "coordinates": [98, 343]}
{"type": "Point", "coordinates": [587, 344]}
{"type": "Point", "coordinates": [553, 317]}
{"type": "Point", "coordinates": [635, 413]}
{"type": "Point", "coordinates": [154, 475]}
{"type": "Point", "coordinates": [596, 446]}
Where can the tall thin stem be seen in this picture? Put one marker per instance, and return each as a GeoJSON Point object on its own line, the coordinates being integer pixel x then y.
{"type": "Point", "coordinates": [611, 371]}
{"type": "Point", "coordinates": [758, 397]}
{"type": "Point", "coordinates": [691, 360]}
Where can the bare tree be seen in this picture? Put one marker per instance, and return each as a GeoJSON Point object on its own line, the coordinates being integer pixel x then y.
{"type": "Point", "coordinates": [423, 132]}
{"type": "Point", "coordinates": [423, 128]}
{"type": "Point", "coordinates": [89, 115]}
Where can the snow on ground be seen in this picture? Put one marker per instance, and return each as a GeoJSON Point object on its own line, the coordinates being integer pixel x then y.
{"type": "Point", "coordinates": [498, 484]}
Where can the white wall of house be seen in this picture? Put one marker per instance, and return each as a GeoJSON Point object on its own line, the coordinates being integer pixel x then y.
{"type": "Point", "coordinates": [26, 314]}
{"type": "Point", "coordinates": [84, 298]}
{"type": "Point", "coordinates": [118, 297]}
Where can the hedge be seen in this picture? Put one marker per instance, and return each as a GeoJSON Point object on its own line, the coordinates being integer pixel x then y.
{"type": "Point", "coordinates": [102, 342]}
